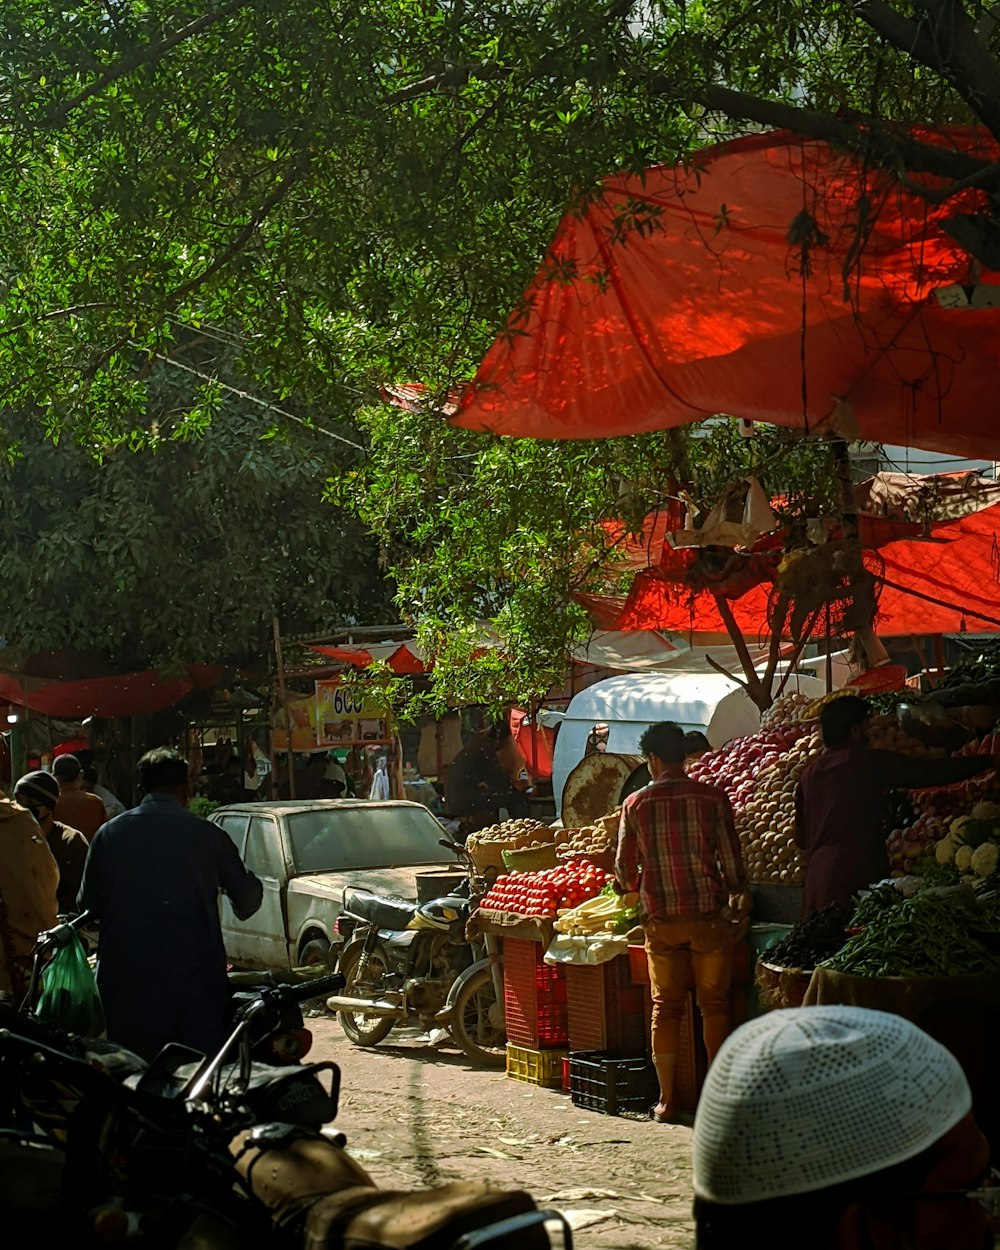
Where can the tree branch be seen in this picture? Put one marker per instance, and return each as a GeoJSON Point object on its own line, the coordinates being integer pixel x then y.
{"type": "Point", "coordinates": [887, 145]}
{"type": "Point", "coordinates": [239, 241]}
{"type": "Point", "coordinates": [946, 41]}
{"type": "Point", "coordinates": [144, 56]}
{"type": "Point", "coordinates": [754, 688]}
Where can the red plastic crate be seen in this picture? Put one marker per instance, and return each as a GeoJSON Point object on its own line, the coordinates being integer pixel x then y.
{"type": "Point", "coordinates": [534, 997]}
{"type": "Point", "coordinates": [604, 1009]}
{"type": "Point", "coordinates": [639, 965]}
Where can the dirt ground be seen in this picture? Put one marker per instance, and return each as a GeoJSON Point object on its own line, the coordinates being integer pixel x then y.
{"type": "Point", "coordinates": [418, 1114]}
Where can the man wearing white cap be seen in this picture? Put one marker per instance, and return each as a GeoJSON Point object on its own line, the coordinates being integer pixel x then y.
{"type": "Point", "coordinates": [838, 1128]}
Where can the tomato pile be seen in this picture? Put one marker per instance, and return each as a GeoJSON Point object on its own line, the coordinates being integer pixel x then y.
{"type": "Point", "coordinates": [546, 893]}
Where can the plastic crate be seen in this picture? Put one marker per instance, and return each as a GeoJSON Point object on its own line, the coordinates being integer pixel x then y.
{"type": "Point", "coordinates": [536, 1067]}
{"type": "Point", "coordinates": [604, 1009]}
{"type": "Point", "coordinates": [639, 964]}
{"type": "Point", "coordinates": [611, 1085]}
{"type": "Point", "coordinates": [534, 995]}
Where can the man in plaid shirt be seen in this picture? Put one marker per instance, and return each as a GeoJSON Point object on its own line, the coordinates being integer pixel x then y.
{"type": "Point", "coordinates": [677, 846]}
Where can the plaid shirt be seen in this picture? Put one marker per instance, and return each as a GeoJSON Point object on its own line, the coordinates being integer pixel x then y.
{"type": "Point", "coordinates": [681, 835]}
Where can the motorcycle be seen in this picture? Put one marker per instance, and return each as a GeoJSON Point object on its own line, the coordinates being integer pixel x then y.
{"type": "Point", "coordinates": [415, 962]}
{"type": "Point", "coordinates": [217, 1153]}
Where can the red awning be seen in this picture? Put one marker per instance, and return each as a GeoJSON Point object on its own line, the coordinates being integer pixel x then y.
{"type": "Point", "coordinates": [132, 694]}
{"type": "Point", "coordinates": [710, 308]}
{"type": "Point", "coordinates": [400, 657]}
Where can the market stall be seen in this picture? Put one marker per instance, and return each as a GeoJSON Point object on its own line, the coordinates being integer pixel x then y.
{"type": "Point", "coordinates": [576, 984]}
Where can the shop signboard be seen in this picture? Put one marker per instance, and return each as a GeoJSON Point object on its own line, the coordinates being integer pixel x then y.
{"type": "Point", "coordinates": [348, 717]}
{"type": "Point", "coordinates": [330, 717]}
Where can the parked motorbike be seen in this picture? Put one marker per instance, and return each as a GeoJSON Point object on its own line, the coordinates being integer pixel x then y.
{"type": "Point", "coordinates": [216, 1152]}
{"type": "Point", "coordinates": [414, 962]}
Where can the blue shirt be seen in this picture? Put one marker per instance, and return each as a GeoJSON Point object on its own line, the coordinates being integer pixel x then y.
{"type": "Point", "coordinates": [152, 877]}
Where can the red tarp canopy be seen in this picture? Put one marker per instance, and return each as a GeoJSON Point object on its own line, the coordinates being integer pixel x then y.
{"type": "Point", "coordinates": [132, 694]}
{"type": "Point", "coordinates": [401, 658]}
{"type": "Point", "coordinates": [536, 743]}
{"type": "Point", "coordinates": [713, 310]}
{"type": "Point", "coordinates": [959, 565]}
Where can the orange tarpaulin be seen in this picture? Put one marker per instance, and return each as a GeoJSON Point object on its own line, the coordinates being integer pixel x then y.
{"type": "Point", "coordinates": [947, 584]}
{"type": "Point", "coordinates": [710, 308]}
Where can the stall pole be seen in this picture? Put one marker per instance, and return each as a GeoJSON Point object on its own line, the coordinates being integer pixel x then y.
{"type": "Point", "coordinates": [939, 655]}
{"type": "Point", "coordinates": [283, 696]}
{"type": "Point", "coordinates": [18, 747]}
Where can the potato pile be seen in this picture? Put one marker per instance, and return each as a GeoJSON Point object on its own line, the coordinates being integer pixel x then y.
{"type": "Point", "coordinates": [766, 824]}
{"type": "Point", "coordinates": [512, 835]}
{"type": "Point", "coordinates": [595, 839]}
{"type": "Point", "coordinates": [884, 732]}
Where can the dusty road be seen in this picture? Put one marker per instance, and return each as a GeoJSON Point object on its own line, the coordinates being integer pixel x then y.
{"type": "Point", "coordinates": [419, 1114]}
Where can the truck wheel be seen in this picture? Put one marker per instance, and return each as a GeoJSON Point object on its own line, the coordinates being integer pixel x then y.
{"type": "Point", "coordinates": [315, 953]}
{"type": "Point", "coordinates": [364, 1030]}
{"type": "Point", "coordinates": [477, 1021]}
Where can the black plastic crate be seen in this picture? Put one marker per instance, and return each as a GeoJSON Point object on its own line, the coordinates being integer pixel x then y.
{"type": "Point", "coordinates": [601, 1083]}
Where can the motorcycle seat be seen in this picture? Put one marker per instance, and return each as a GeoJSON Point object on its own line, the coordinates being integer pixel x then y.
{"type": "Point", "coordinates": [383, 913]}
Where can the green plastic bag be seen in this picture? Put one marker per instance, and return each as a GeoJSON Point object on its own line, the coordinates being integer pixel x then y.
{"type": "Point", "coordinates": [69, 999]}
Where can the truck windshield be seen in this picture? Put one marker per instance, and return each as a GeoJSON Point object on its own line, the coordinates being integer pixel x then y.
{"type": "Point", "coordinates": [341, 840]}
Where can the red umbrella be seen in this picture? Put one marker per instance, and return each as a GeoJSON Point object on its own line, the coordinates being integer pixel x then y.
{"type": "Point", "coordinates": [770, 278]}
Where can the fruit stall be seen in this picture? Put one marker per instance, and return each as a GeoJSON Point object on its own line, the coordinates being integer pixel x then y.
{"type": "Point", "coordinates": [575, 979]}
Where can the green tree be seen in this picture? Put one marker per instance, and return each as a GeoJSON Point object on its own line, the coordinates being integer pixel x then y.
{"type": "Point", "coordinates": [182, 550]}
{"type": "Point", "coordinates": [358, 192]}
{"type": "Point", "coordinates": [349, 194]}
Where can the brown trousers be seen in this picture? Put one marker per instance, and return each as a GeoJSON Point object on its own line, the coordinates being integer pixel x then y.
{"type": "Point", "coordinates": [676, 949]}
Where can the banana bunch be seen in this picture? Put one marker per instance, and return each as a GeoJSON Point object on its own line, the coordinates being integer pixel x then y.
{"type": "Point", "coordinates": [605, 913]}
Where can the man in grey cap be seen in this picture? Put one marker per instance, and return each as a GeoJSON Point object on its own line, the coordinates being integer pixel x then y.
{"type": "Point", "coordinates": [839, 1128]}
{"type": "Point", "coordinates": [39, 793]}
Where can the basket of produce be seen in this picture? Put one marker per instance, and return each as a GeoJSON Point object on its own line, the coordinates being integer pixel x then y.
{"type": "Point", "coordinates": [596, 843]}
{"type": "Point", "coordinates": [784, 968]}
{"type": "Point", "coordinates": [487, 846]}
{"type": "Point", "coordinates": [779, 987]}
{"type": "Point", "coordinates": [531, 858]}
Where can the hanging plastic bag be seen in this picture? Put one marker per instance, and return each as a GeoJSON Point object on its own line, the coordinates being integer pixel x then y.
{"type": "Point", "coordinates": [69, 999]}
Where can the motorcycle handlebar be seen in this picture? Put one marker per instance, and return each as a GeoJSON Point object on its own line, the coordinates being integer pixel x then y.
{"type": "Point", "coordinates": [63, 932]}
{"type": "Point", "coordinates": [331, 984]}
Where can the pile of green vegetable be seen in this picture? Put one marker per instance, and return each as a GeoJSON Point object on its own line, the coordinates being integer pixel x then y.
{"type": "Point", "coordinates": [815, 938]}
{"type": "Point", "coordinates": [935, 933]}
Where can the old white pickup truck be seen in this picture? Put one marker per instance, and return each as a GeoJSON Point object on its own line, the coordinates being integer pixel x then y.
{"type": "Point", "coordinates": [305, 853]}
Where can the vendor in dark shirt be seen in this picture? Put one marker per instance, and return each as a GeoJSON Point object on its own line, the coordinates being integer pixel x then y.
{"type": "Point", "coordinates": [839, 804]}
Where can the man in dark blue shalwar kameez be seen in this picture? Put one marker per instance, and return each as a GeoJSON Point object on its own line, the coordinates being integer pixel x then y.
{"type": "Point", "coordinates": [152, 877]}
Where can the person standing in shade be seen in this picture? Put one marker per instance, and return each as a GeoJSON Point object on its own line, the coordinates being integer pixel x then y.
{"type": "Point", "coordinates": [840, 802]}
{"type": "Point", "coordinates": [76, 807]}
{"type": "Point", "coordinates": [152, 878]}
{"type": "Point", "coordinates": [677, 846]}
{"type": "Point", "coordinates": [380, 782]}
{"type": "Point", "coordinates": [112, 803]}
{"type": "Point", "coordinates": [29, 879]}
{"type": "Point", "coordinates": [38, 792]}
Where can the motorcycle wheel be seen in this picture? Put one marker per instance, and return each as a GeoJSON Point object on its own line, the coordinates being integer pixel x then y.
{"type": "Point", "coordinates": [477, 1023]}
{"type": "Point", "coordinates": [360, 1029]}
